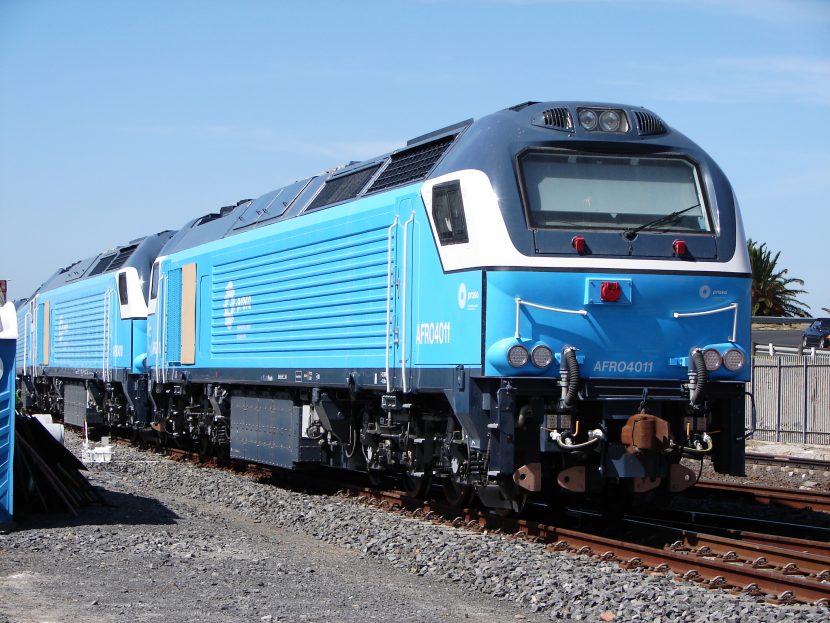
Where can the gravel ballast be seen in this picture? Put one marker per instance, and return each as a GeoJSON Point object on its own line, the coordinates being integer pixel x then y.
{"type": "Point", "coordinates": [184, 543]}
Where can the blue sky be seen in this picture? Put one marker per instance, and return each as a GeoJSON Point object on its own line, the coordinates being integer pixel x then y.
{"type": "Point", "coordinates": [119, 119]}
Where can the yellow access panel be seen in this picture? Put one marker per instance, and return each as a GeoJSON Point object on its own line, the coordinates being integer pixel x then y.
{"type": "Point", "coordinates": [188, 317]}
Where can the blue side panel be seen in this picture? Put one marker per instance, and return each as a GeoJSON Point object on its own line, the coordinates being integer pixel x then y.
{"type": "Point", "coordinates": [310, 291]}
{"type": "Point", "coordinates": [444, 317]}
{"type": "Point", "coordinates": [637, 336]}
{"type": "Point", "coordinates": [7, 404]}
{"type": "Point", "coordinates": [77, 330]}
{"type": "Point", "coordinates": [85, 326]}
{"type": "Point", "coordinates": [173, 303]}
{"type": "Point", "coordinates": [346, 287]}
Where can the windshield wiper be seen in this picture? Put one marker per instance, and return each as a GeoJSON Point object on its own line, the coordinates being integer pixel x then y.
{"type": "Point", "coordinates": [630, 234]}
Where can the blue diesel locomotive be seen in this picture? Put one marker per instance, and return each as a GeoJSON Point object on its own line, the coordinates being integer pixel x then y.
{"type": "Point", "coordinates": [553, 298]}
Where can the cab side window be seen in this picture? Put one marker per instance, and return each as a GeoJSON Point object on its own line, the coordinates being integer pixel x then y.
{"type": "Point", "coordinates": [448, 213]}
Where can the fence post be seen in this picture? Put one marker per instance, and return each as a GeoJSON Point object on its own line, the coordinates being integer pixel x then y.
{"type": "Point", "coordinates": [778, 402]}
{"type": "Point", "coordinates": [751, 385]}
{"type": "Point", "coordinates": [804, 433]}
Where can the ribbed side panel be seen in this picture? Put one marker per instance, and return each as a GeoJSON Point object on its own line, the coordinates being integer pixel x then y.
{"type": "Point", "coordinates": [173, 316]}
{"type": "Point", "coordinates": [22, 335]}
{"type": "Point", "coordinates": [77, 331]}
{"type": "Point", "coordinates": [326, 296]}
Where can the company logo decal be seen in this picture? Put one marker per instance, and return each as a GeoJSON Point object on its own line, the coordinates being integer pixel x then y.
{"type": "Point", "coordinates": [467, 299]}
{"type": "Point", "coordinates": [233, 304]}
{"type": "Point", "coordinates": [63, 329]}
{"type": "Point", "coordinates": [706, 291]}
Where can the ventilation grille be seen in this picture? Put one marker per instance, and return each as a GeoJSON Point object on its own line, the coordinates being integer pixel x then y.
{"type": "Point", "coordinates": [411, 165]}
{"type": "Point", "coordinates": [122, 257]}
{"type": "Point", "coordinates": [558, 118]}
{"type": "Point", "coordinates": [649, 124]}
{"type": "Point", "coordinates": [343, 188]}
{"type": "Point", "coordinates": [102, 264]}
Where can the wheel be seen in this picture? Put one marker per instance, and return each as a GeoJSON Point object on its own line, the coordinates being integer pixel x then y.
{"type": "Point", "coordinates": [205, 446]}
{"type": "Point", "coordinates": [376, 478]}
{"type": "Point", "coordinates": [519, 502]}
{"type": "Point", "coordinates": [457, 494]}
{"type": "Point", "coordinates": [417, 486]}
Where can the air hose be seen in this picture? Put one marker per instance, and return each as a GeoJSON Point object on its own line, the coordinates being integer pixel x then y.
{"type": "Point", "coordinates": [697, 378]}
{"type": "Point", "coordinates": [576, 447]}
{"type": "Point", "coordinates": [572, 367]}
{"type": "Point", "coordinates": [701, 449]}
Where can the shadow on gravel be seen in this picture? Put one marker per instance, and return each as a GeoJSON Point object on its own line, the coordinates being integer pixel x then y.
{"type": "Point", "coordinates": [117, 509]}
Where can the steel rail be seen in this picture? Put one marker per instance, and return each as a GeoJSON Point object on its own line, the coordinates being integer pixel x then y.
{"type": "Point", "coordinates": [779, 496]}
{"type": "Point", "coordinates": [788, 461]}
{"type": "Point", "coordinates": [772, 552]}
{"type": "Point", "coordinates": [702, 567]}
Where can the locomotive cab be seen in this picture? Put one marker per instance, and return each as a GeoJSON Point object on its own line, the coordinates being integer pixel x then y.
{"type": "Point", "coordinates": [616, 281]}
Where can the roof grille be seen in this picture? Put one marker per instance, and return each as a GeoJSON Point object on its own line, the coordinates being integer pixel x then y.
{"type": "Point", "coordinates": [558, 118]}
{"type": "Point", "coordinates": [412, 164]}
{"type": "Point", "coordinates": [101, 265]}
{"type": "Point", "coordinates": [343, 188]}
{"type": "Point", "coordinates": [122, 257]}
{"type": "Point", "coordinates": [649, 124]}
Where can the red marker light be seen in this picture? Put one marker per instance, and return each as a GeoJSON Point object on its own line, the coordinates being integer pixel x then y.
{"type": "Point", "coordinates": [679, 247]}
{"type": "Point", "coordinates": [578, 243]}
{"type": "Point", "coordinates": [610, 291]}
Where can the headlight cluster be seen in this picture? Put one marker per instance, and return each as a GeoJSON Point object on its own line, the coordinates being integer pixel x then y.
{"type": "Point", "coordinates": [603, 120]}
{"type": "Point", "coordinates": [540, 356]}
{"type": "Point", "coordinates": [733, 359]}
{"type": "Point", "coordinates": [712, 359]}
{"type": "Point", "coordinates": [517, 356]}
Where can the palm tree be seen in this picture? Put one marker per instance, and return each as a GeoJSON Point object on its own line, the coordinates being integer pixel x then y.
{"type": "Point", "coordinates": [772, 294]}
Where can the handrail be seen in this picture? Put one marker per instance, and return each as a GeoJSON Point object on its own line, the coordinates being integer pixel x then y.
{"type": "Point", "coordinates": [731, 306]}
{"type": "Point", "coordinates": [392, 227]}
{"type": "Point", "coordinates": [105, 355]}
{"type": "Point", "coordinates": [157, 336]}
{"type": "Point", "coordinates": [403, 301]}
{"type": "Point", "coordinates": [163, 353]}
{"type": "Point", "coordinates": [35, 337]}
{"type": "Point", "coordinates": [520, 302]}
{"type": "Point", "coordinates": [27, 328]}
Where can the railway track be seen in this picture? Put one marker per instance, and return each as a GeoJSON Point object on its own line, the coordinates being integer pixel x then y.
{"type": "Point", "coordinates": [777, 496]}
{"type": "Point", "coordinates": [788, 461]}
{"type": "Point", "coordinates": [783, 569]}
{"type": "Point", "coordinates": [781, 573]}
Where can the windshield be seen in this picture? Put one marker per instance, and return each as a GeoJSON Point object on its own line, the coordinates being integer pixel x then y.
{"type": "Point", "coordinates": [612, 192]}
